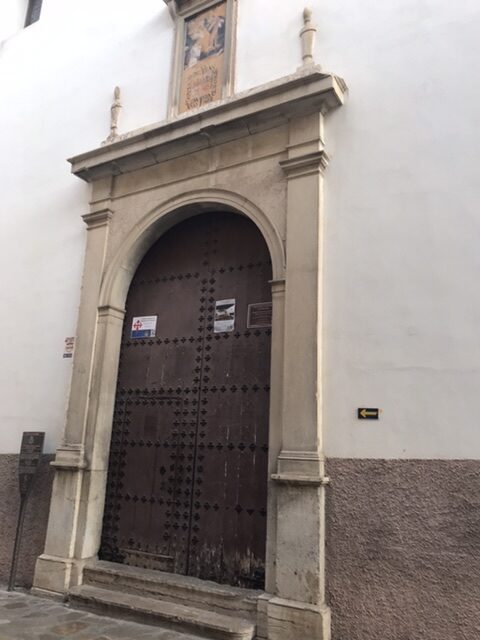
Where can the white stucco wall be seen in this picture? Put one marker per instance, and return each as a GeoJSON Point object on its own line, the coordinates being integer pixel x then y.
{"type": "Point", "coordinates": [403, 228]}
{"type": "Point", "coordinates": [401, 223]}
{"type": "Point", "coordinates": [57, 78]}
{"type": "Point", "coordinates": [12, 17]}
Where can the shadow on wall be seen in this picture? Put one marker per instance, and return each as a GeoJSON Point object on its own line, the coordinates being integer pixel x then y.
{"type": "Point", "coordinates": [36, 518]}
{"type": "Point", "coordinates": [403, 549]}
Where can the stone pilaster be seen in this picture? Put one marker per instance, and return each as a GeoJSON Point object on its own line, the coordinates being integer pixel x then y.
{"type": "Point", "coordinates": [275, 429]}
{"type": "Point", "coordinates": [299, 610]}
{"type": "Point", "coordinates": [61, 563]}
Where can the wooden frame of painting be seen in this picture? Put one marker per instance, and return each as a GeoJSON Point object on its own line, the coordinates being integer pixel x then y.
{"type": "Point", "coordinates": [203, 61]}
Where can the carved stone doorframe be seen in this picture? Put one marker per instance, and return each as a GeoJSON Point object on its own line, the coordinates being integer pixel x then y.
{"type": "Point", "coordinates": [260, 155]}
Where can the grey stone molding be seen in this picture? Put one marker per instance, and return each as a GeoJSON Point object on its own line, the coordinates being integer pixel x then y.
{"type": "Point", "coordinates": [305, 165]}
{"type": "Point", "coordinates": [111, 311]}
{"type": "Point", "coordinates": [300, 467]}
{"type": "Point", "coordinates": [97, 218]}
{"type": "Point", "coordinates": [184, 7]}
{"type": "Point", "coordinates": [278, 286]}
{"type": "Point", "coordinates": [70, 457]}
{"type": "Point", "coordinates": [289, 478]}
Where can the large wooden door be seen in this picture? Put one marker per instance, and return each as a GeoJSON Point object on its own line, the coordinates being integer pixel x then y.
{"type": "Point", "coordinates": [187, 481]}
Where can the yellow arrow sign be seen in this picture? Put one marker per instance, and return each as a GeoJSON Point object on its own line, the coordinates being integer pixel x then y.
{"type": "Point", "coordinates": [365, 414]}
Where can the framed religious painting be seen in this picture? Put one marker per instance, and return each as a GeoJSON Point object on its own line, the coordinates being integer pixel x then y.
{"type": "Point", "coordinates": [204, 56]}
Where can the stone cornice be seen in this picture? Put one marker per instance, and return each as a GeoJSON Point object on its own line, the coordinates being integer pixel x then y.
{"type": "Point", "coordinates": [278, 286]}
{"type": "Point", "coordinates": [290, 478]}
{"type": "Point", "coordinates": [97, 218]}
{"type": "Point", "coordinates": [183, 7]}
{"type": "Point", "coordinates": [300, 467]}
{"type": "Point", "coordinates": [244, 114]}
{"type": "Point", "coordinates": [109, 311]}
{"type": "Point", "coordinates": [70, 457]}
{"type": "Point", "coordinates": [305, 165]}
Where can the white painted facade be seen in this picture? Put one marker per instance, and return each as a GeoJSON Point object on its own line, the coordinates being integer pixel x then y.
{"type": "Point", "coordinates": [401, 221]}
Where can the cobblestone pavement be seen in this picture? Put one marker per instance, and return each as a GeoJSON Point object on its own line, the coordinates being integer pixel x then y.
{"type": "Point", "coordinates": [27, 617]}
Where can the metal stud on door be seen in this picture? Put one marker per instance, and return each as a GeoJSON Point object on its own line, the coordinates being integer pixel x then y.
{"type": "Point", "coordinates": [187, 483]}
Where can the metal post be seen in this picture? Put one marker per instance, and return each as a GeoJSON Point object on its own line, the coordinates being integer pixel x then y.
{"type": "Point", "coordinates": [30, 455]}
{"type": "Point", "coordinates": [16, 547]}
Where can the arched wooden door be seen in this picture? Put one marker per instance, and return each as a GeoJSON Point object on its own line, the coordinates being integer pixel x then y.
{"type": "Point", "coordinates": [187, 481]}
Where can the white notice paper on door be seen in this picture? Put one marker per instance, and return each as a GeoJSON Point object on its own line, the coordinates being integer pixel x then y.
{"type": "Point", "coordinates": [224, 316]}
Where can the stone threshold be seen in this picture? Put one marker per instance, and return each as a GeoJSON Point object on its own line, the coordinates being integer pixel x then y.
{"type": "Point", "coordinates": [172, 601]}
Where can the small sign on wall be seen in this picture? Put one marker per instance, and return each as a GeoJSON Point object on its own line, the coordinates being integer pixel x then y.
{"type": "Point", "coordinates": [365, 413]}
{"type": "Point", "coordinates": [259, 315]}
{"type": "Point", "coordinates": [69, 347]}
{"type": "Point", "coordinates": [144, 327]}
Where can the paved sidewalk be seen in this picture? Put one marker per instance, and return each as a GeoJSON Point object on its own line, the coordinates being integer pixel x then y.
{"type": "Point", "coordinates": [26, 617]}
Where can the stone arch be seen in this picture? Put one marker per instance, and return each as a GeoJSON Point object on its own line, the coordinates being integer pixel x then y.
{"type": "Point", "coordinates": [143, 235]}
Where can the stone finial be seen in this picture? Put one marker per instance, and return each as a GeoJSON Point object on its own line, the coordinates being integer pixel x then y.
{"type": "Point", "coordinates": [307, 35]}
{"type": "Point", "coordinates": [114, 116]}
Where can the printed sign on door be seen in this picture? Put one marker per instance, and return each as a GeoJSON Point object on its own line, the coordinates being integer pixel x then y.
{"type": "Point", "coordinates": [144, 327]}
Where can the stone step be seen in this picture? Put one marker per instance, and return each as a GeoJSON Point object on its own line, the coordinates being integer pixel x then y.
{"type": "Point", "coordinates": [205, 624]}
{"type": "Point", "coordinates": [170, 587]}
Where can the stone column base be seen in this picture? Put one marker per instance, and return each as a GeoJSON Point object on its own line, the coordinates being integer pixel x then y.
{"type": "Point", "coordinates": [291, 620]}
{"type": "Point", "coordinates": [55, 576]}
